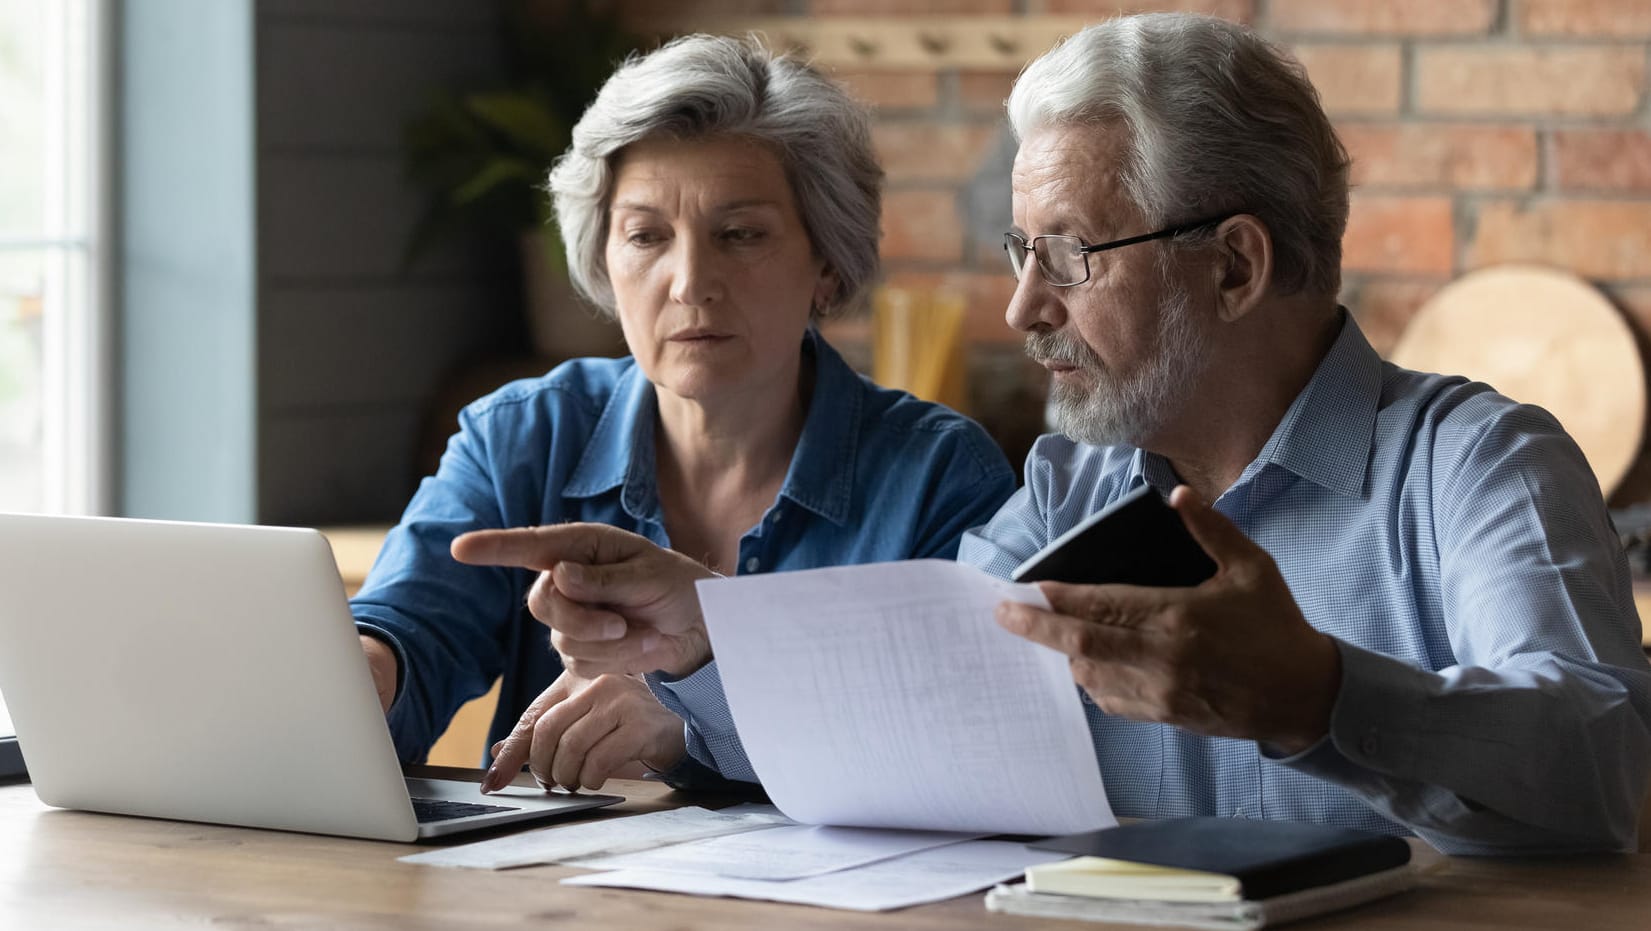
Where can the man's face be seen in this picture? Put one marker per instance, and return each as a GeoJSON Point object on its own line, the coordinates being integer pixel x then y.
{"type": "Point", "coordinates": [1124, 347]}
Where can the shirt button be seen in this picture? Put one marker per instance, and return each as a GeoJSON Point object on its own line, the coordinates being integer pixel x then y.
{"type": "Point", "coordinates": [774, 516]}
{"type": "Point", "coordinates": [1371, 743]}
{"type": "Point", "coordinates": [752, 564]}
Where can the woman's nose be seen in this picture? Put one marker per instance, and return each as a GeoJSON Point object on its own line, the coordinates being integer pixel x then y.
{"type": "Point", "coordinates": [695, 279]}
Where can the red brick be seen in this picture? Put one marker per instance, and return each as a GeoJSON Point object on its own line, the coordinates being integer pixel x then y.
{"type": "Point", "coordinates": [1621, 18]}
{"type": "Point", "coordinates": [926, 151]}
{"type": "Point", "coordinates": [892, 90]}
{"type": "Point", "coordinates": [1441, 155]}
{"type": "Point", "coordinates": [1601, 160]}
{"type": "Point", "coordinates": [1382, 17]}
{"type": "Point", "coordinates": [1384, 307]}
{"type": "Point", "coordinates": [984, 91]}
{"type": "Point", "coordinates": [678, 11]}
{"type": "Point", "coordinates": [1239, 11]}
{"type": "Point", "coordinates": [1362, 79]}
{"type": "Point", "coordinates": [1530, 81]}
{"type": "Point", "coordinates": [922, 225]}
{"type": "Point", "coordinates": [1399, 235]}
{"type": "Point", "coordinates": [1594, 238]}
{"type": "Point", "coordinates": [910, 7]}
{"type": "Point", "coordinates": [987, 296]}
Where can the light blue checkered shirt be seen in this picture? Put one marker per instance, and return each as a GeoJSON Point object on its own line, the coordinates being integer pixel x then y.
{"type": "Point", "coordinates": [1494, 695]}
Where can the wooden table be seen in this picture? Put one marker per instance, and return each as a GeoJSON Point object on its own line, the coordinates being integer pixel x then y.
{"type": "Point", "coordinates": [66, 869]}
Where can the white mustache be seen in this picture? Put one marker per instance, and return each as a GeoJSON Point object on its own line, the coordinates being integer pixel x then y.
{"type": "Point", "coordinates": [1051, 346]}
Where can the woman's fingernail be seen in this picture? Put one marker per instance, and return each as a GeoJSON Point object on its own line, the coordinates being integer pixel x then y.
{"type": "Point", "coordinates": [613, 630]}
{"type": "Point", "coordinates": [649, 641]}
{"type": "Point", "coordinates": [489, 779]}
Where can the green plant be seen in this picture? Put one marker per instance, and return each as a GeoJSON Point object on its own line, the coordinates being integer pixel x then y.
{"type": "Point", "coordinates": [483, 157]}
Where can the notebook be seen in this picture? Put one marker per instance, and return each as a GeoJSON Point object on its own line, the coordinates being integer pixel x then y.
{"type": "Point", "coordinates": [209, 672]}
{"type": "Point", "coordinates": [1241, 915]}
{"type": "Point", "coordinates": [1213, 859]}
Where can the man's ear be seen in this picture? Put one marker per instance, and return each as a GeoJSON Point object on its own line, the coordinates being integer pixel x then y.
{"type": "Point", "coordinates": [1244, 249]}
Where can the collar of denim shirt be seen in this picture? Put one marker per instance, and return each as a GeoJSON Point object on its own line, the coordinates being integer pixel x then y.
{"type": "Point", "coordinates": [620, 453]}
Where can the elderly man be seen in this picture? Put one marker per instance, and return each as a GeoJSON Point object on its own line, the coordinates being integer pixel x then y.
{"type": "Point", "coordinates": [1421, 620]}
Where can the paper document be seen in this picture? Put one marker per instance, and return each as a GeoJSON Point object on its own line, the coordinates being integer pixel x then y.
{"type": "Point", "coordinates": [927, 876]}
{"type": "Point", "coordinates": [593, 838]}
{"type": "Point", "coordinates": [886, 695]}
{"type": "Point", "coordinates": [792, 852]}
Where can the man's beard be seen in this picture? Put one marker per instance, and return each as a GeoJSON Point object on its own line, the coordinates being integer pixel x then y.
{"type": "Point", "coordinates": [1129, 409]}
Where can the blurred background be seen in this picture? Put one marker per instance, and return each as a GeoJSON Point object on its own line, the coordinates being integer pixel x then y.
{"type": "Point", "coordinates": [254, 254]}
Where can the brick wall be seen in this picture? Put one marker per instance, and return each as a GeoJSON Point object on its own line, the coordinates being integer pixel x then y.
{"type": "Point", "coordinates": [1482, 132]}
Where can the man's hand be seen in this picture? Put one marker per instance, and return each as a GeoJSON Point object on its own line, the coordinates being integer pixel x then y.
{"type": "Point", "coordinates": [614, 601]}
{"type": "Point", "coordinates": [382, 661]}
{"type": "Point", "coordinates": [1232, 657]}
{"type": "Point", "coordinates": [580, 732]}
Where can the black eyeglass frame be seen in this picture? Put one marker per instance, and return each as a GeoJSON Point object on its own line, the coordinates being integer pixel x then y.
{"type": "Point", "coordinates": [1013, 240]}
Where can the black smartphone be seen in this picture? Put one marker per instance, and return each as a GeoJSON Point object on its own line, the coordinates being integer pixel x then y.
{"type": "Point", "coordinates": [1136, 540]}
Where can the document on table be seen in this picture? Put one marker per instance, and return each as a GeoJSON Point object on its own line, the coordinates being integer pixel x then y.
{"type": "Point", "coordinates": [596, 838]}
{"type": "Point", "coordinates": [791, 852]}
{"type": "Point", "coordinates": [886, 695]}
{"type": "Point", "coordinates": [926, 876]}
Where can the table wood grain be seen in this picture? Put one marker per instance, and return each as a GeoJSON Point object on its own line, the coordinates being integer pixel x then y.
{"type": "Point", "coordinates": [69, 869]}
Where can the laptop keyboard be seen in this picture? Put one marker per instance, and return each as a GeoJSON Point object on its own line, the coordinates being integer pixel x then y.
{"type": "Point", "coordinates": [435, 809]}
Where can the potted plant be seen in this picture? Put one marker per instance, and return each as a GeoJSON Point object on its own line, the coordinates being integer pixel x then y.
{"type": "Point", "coordinates": [483, 157]}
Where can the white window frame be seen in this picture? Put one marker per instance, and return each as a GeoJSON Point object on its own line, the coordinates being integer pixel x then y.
{"type": "Point", "coordinates": [77, 260]}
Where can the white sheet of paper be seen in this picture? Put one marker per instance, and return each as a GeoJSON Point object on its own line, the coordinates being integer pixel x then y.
{"type": "Point", "coordinates": [886, 695]}
{"type": "Point", "coordinates": [927, 876]}
{"type": "Point", "coordinates": [792, 852]}
{"type": "Point", "coordinates": [610, 836]}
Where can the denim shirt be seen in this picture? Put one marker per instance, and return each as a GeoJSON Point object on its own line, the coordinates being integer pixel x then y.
{"type": "Point", "coordinates": [877, 475]}
{"type": "Point", "coordinates": [1495, 698]}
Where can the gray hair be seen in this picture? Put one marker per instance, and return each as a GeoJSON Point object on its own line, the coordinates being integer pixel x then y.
{"type": "Point", "coordinates": [700, 86]}
{"type": "Point", "coordinates": [1217, 119]}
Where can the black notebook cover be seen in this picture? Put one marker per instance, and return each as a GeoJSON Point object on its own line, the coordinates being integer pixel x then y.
{"type": "Point", "coordinates": [1267, 857]}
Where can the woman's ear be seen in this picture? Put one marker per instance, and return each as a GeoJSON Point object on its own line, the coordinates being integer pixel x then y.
{"type": "Point", "coordinates": [1245, 250]}
{"type": "Point", "coordinates": [825, 291]}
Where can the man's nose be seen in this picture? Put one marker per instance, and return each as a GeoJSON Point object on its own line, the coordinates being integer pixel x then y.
{"type": "Point", "coordinates": [1034, 305]}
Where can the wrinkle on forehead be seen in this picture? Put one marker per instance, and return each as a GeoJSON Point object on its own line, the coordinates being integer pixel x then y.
{"type": "Point", "coordinates": [1067, 173]}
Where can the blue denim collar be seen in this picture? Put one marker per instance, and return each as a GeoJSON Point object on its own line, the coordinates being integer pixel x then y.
{"type": "Point", "coordinates": [620, 452]}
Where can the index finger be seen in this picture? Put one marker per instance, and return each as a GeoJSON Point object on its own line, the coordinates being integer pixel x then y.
{"type": "Point", "coordinates": [513, 750]}
{"type": "Point", "coordinates": [543, 547]}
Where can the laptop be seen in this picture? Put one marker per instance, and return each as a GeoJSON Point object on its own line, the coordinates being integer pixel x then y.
{"type": "Point", "coordinates": [210, 672]}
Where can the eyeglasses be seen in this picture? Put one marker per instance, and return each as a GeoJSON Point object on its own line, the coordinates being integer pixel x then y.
{"type": "Point", "coordinates": [1063, 261]}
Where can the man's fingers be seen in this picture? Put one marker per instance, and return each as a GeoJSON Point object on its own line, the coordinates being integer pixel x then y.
{"type": "Point", "coordinates": [543, 547]}
{"type": "Point", "coordinates": [574, 620]}
{"type": "Point", "coordinates": [1117, 605]}
{"type": "Point", "coordinates": [591, 658]}
{"type": "Point", "coordinates": [1211, 529]}
{"type": "Point", "coordinates": [1071, 636]}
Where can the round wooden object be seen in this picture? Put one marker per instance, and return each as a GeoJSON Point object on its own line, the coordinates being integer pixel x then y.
{"type": "Point", "coordinates": [1543, 337]}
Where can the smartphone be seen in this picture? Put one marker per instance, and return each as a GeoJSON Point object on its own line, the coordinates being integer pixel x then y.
{"type": "Point", "coordinates": [1136, 540]}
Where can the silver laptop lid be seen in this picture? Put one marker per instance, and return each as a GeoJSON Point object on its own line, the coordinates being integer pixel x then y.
{"type": "Point", "coordinates": [193, 671]}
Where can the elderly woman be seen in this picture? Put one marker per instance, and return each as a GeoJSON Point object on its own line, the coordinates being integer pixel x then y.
{"type": "Point", "coordinates": [719, 201]}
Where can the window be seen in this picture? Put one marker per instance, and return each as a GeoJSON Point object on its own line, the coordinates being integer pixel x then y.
{"type": "Point", "coordinates": [53, 266]}
{"type": "Point", "coordinates": [53, 374]}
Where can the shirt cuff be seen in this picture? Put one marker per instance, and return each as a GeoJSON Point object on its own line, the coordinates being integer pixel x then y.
{"type": "Point", "coordinates": [388, 639]}
{"type": "Point", "coordinates": [1375, 722]}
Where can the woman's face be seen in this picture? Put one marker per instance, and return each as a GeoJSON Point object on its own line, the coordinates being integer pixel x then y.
{"type": "Point", "coordinates": [712, 271]}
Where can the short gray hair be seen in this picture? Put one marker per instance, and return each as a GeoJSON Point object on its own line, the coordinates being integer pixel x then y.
{"type": "Point", "coordinates": [701, 86]}
{"type": "Point", "coordinates": [1217, 119]}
